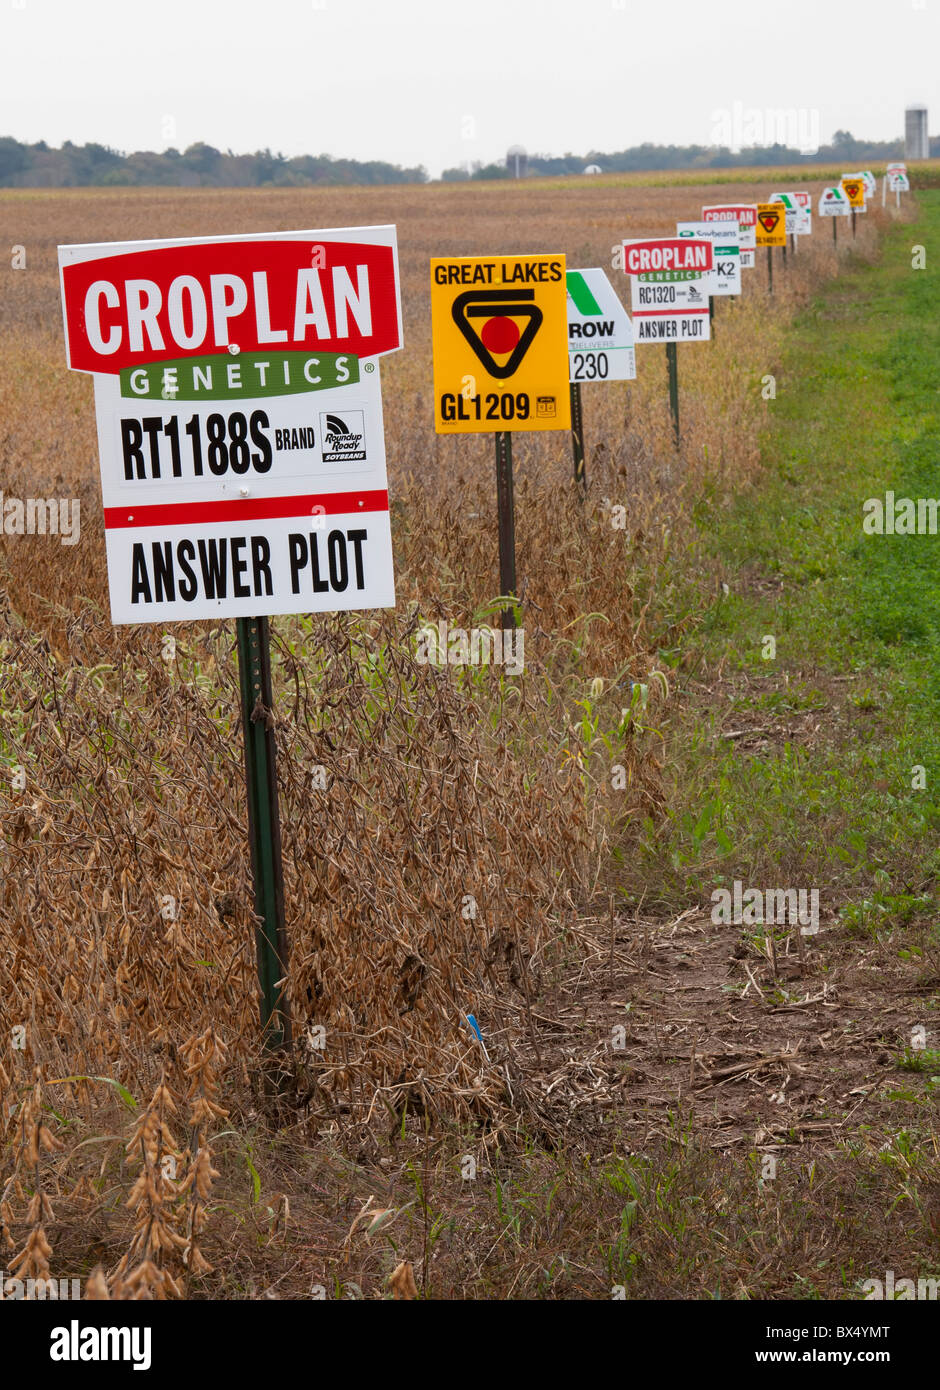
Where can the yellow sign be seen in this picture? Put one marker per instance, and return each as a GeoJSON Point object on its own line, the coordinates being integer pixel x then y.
{"type": "Point", "coordinates": [771, 226]}
{"type": "Point", "coordinates": [854, 190]}
{"type": "Point", "coordinates": [499, 330]}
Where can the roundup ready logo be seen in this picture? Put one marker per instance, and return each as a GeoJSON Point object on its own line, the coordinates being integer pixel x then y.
{"type": "Point", "coordinates": [343, 437]}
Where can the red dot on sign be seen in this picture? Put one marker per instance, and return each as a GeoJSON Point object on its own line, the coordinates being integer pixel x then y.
{"type": "Point", "coordinates": [499, 335]}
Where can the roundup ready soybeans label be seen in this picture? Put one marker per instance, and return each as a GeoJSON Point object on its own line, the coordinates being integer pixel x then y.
{"type": "Point", "coordinates": [499, 331]}
{"type": "Point", "coordinates": [239, 412]}
{"type": "Point", "coordinates": [670, 280]}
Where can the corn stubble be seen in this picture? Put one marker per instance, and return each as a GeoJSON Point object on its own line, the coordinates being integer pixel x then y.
{"type": "Point", "coordinates": [466, 817]}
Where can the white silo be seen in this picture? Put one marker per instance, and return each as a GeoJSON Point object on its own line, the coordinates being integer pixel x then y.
{"type": "Point", "coordinates": [916, 139]}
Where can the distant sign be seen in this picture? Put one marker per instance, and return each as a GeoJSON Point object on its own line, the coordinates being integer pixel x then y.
{"type": "Point", "coordinates": [897, 181]}
{"type": "Point", "coordinates": [239, 414]}
{"type": "Point", "coordinates": [853, 186]}
{"type": "Point", "coordinates": [726, 244]}
{"type": "Point", "coordinates": [771, 224]}
{"type": "Point", "coordinates": [499, 331]}
{"type": "Point", "coordinates": [804, 202]}
{"type": "Point", "coordinates": [799, 215]}
{"type": "Point", "coordinates": [600, 334]}
{"type": "Point", "coordinates": [833, 202]}
{"type": "Point", "coordinates": [745, 215]}
{"type": "Point", "coordinates": [791, 211]}
{"type": "Point", "coordinates": [669, 279]}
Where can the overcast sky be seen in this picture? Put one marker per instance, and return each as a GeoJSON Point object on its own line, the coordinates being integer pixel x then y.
{"type": "Point", "coordinates": [443, 82]}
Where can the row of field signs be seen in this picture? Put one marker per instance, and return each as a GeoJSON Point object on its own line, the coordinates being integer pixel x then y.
{"type": "Point", "coordinates": [238, 389]}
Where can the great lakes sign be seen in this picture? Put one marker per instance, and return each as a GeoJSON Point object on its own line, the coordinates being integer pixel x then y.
{"type": "Point", "coordinates": [669, 285]}
{"type": "Point", "coordinates": [239, 413]}
{"type": "Point", "coordinates": [771, 224]}
{"type": "Point", "coordinates": [600, 334]}
{"type": "Point", "coordinates": [499, 332]}
{"type": "Point", "coordinates": [853, 185]}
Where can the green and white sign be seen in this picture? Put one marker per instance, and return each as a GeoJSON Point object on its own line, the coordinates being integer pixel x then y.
{"type": "Point", "coordinates": [600, 334]}
{"type": "Point", "coordinates": [792, 212]}
{"type": "Point", "coordinates": [799, 219]}
{"type": "Point", "coordinates": [834, 203]}
{"type": "Point", "coordinates": [726, 246]}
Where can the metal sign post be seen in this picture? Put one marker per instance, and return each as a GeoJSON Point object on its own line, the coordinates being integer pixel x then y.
{"type": "Point", "coordinates": [770, 270]}
{"type": "Point", "coordinates": [672, 359]}
{"type": "Point", "coordinates": [506, 522]}
{"type": "Point", "coordinates": [264, 826]}
{"type": "Point", "coordinates": [577, 438]}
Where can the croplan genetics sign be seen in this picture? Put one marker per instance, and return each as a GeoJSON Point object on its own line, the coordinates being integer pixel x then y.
{"type": "Point", "coordinates": [670, 280]}
{"type": "Point", "coordinates": [239, 410]}
{"type": "Point", "coordinates": [745, 216]}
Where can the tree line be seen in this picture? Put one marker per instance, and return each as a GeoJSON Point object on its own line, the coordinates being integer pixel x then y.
{"type": "Point", "coordinates": [203, 166]}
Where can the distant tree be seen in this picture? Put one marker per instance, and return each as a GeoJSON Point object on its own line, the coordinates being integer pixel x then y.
{"type": "Point", "coordinates": [490, 171]}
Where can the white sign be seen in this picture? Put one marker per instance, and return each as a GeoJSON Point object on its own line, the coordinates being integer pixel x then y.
{"type": "Point", "coordinates": [834, 203]}
{"type": "Point", "coordinates": [792, 213]}
{"type": "Point", "coordinates": [745, 215]}
{"type": "Point", "coordinates": [804, 202]}
{"type": "Point", "coordinates": [726, 244]}
{"type": "Point", "coordinates": [669, 279]}
{"type": "Point", "coordinates": [239, 411]}
{"type": "Point", "coordinates": [600, 334]}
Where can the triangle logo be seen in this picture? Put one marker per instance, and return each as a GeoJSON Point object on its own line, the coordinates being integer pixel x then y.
{"type": "Point", "coordinates": [488, 321]}
{"type": "Point", "coordinates": [769, 220]}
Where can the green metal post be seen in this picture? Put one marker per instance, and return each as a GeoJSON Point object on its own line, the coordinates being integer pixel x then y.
{"type": "Point", "coordinates": [264, 827]}
{"type": "Point", "coordinates": [577, 438]}
{"type": "Point", "coordinates": [672, 359]}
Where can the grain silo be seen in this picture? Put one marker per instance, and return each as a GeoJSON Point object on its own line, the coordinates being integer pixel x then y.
{"type": "Point", "coordinates": [916, 139]}
{"type": "Point", "coordinates": [517, 160]}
